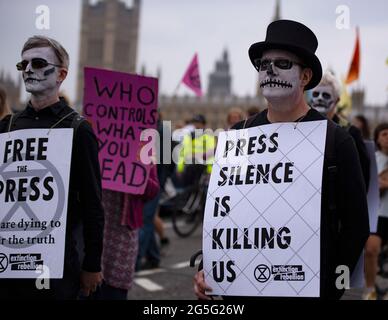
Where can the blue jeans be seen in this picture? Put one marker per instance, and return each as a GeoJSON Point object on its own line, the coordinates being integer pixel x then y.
{"type": "Point", "coordinates": [147, 240]}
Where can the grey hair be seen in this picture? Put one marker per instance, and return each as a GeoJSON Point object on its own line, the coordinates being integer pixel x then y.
{"type": "Point", "coordinates": [329, 79]}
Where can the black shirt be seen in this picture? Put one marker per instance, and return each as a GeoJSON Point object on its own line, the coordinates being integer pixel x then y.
{"type": "Point", "coordinates": [84, 203]}
{"type": "Point", "coordinates": [344, 231]}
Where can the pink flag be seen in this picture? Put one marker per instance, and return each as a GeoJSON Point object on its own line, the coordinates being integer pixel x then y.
{"type": "Point", "coordinates": [192, 78]}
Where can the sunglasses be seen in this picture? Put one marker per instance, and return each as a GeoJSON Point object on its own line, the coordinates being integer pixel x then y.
{"type": "Point", "coordinates": [36, 63]}
{"type": "Point", "coordinates": [325, 95]}
{"type": "Point", "coordinates": [281, 63]}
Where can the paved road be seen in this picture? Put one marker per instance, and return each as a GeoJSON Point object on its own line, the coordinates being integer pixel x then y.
{"type": "Point", "coordinates": [173, 280]}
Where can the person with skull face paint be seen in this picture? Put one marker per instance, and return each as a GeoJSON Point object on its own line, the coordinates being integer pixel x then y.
{"type": "Point", "coordinates": [44, 67]}
{"type": "Point", "coordinates": [287, 66]}
{"type": "Point", "coordinates": [324, 99]}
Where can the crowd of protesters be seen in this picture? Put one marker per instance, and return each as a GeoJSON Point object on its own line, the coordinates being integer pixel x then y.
{"type": "Point", "coordinates": [124, 233]}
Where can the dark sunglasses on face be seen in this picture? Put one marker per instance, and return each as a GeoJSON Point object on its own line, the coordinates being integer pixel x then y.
{"type": "Point", "coordinates": [325, 95]}
{"type": "Point", "coordinates": [36, 63]}
{"type": "Point", "coordinates": [281, 63]}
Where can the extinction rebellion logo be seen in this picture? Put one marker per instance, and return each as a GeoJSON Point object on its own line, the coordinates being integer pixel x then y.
{"type": "Point", "coordinates": [3, 262]}
{"type": "Point", "coordinates": [263, 273]}
{"type": "Point", "coordinates": [21, 261]}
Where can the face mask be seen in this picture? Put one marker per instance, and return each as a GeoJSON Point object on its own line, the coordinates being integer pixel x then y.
{"type": "Point", "coordinates": [279, 74]}
{"type": "Point", "coordinates": [322, 99]}
{"type": "Point", "coordinates": [37, 79]}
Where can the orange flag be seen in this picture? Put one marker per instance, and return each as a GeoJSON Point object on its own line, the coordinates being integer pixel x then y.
{"type": "Point", "coordinates": [354, 70]}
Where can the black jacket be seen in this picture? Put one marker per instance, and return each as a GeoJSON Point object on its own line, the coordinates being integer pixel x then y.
{"type": "Point", "coordinates": [344, 230]}
{"type": "Point", "coordinates": [361, 148]}
{"type": "Point", "coordinates": [84, 204]}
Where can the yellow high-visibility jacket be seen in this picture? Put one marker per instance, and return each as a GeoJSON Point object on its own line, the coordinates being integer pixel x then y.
{"type": "Point", "coordinates": [191, 147]}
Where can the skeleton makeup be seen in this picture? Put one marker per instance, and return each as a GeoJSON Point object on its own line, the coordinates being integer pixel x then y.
{"type": "Point", "coordinates": [279, 74]}
{"type": "Point", "coordinates": [323, 99]}
{"type": "Point", "coordinates": [44, 80]}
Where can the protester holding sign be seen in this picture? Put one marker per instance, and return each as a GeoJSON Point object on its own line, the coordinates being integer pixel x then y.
{"type": "Point", "coordinates": [287, 66]}
{"type": "Point", "coordinates": [44, 67]}
{"type": "Point", "coordinates": [121, 106]}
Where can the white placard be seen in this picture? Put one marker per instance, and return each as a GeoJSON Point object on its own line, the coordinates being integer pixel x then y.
{"type": "Point", "coordinates": [34, 186]}
{"type": "Point", "coordinates": [261, 234]}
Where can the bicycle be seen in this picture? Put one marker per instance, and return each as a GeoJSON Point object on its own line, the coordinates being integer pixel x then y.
{"type": "Point", "coordinates": [189, 206]}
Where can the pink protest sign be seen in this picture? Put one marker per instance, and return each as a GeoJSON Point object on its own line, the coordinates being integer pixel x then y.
{"type": "Point", "coordinates": [120, 106]}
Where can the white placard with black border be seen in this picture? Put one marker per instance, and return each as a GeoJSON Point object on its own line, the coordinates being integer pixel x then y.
{"type": "Point", "coordinates": [261, 233]}
{"type": "Point", "coordinates": [34, 188]}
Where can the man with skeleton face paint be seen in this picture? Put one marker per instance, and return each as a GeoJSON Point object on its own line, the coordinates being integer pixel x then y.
{"type": "Point", "coordinates": [287, 66]}
{"type": "Point", "coordinates": [281, 75]}
{"type": "Point", "coordinates": [44, 67]}
{"type": "Point", "coordinates": [324, 100]}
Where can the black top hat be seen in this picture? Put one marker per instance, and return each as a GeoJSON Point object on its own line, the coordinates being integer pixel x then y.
{"type": "Point", "coordinates": [294, 37]}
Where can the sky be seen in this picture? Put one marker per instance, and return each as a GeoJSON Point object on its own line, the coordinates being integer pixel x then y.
{"type": "Point", "coordinates": [171, 31]}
